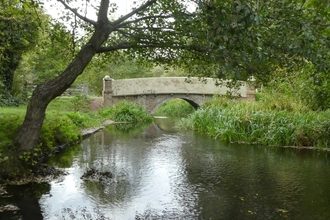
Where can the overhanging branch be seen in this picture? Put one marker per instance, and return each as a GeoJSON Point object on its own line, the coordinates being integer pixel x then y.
{"type": "Point", "coordinates": [144, 18]}
{"type": "Point", "coordinates": [128, 45]}
{"type": "Point", "coordinates": [75, 11]}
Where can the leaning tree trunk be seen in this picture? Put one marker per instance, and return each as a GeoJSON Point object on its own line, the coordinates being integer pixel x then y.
{"type": "Point", "coordinates": [29, 133]}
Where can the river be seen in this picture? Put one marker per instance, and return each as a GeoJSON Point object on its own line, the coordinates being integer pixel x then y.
{"type": "Point", "coordinates": [162, 173]}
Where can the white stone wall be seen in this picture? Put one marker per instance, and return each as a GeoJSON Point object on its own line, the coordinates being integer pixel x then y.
{"type": "Point", "coordinates": [169, 85]}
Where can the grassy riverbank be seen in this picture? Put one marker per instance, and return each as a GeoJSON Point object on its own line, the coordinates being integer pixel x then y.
{"type": "Point", "coordinates": [66, 117]}
{"type": "Point", "coordinates": [264, 122]}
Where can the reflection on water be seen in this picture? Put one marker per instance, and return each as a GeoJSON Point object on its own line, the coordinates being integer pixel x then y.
{"type": "Point", "coordinates": [160, 173]}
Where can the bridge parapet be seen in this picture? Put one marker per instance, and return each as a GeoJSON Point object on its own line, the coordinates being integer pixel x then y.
{"type": "Point", "coordinates": [168, 85]}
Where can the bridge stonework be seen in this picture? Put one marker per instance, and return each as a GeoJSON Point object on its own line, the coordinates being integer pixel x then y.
{"type": "Point", "coordinates": [153, 92]}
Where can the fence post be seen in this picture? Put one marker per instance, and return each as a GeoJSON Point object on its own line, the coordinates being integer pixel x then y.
{"type": "Point", "coordinates": [107, 91]}
{"type": "Point", "coordinates": [85, 90]}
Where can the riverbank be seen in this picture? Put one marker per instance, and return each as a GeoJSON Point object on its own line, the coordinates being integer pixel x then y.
{"type": "Point", "coordinates": [67, 121]}
{"type": "Point", "coordinates": [175, 174]}
{"type": "Point", "coordinates": [258, 123]}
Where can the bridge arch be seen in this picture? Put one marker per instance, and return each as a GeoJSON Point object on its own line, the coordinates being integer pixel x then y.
{"type": "Point", "coordinates": [193, 103]}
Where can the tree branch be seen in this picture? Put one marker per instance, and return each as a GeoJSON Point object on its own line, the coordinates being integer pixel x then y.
{"type": "Point", "coordinates": [103, 11]}
{"type": "Point", "coordinates": [128, 45]}
{"type": "Point", "coordinates": [75, 11]}
{"type": "Point", "coordinates": [127, 16]}
{"type": "Point", "coordinates": [144, 18]}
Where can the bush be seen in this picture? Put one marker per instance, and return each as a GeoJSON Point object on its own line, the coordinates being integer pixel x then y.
{"type": "Point", "coordinates": [58, 129]}
{"type": "Point", "coordinates": [7, 99]}
{"type": "Point", "coordinates": [127, 112]}
{"type": "Point", "coordinates": [77, 118]}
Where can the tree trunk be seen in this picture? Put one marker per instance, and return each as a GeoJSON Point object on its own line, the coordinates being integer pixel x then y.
{"type": "Point", "coordinates": [29, 133]}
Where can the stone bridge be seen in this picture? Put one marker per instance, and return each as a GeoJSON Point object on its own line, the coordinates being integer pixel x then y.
{"type": "Point", "coordinates": [155, 91]}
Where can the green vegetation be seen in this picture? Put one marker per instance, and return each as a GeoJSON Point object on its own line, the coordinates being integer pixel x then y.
{"type": "Point", "coordinates": [283, 44]}
{"type": "Point", "coordinates": [175, 108]}
{"type": "Point", "coordinates": [290, 110]}
{"type": "Point", "coordinates": [65, 118]}
{"type": "Point", "coordinates": [265, 122]}
{"type": "Point", "coordinates": [19, 33]}
{"type": "Point", "coordinates": [127, 112]}
{"type": "Point", "coordinates": [222, 39]}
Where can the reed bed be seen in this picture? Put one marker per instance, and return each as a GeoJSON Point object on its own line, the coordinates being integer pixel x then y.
{"type": "Point", "coordinates": [253, 123]}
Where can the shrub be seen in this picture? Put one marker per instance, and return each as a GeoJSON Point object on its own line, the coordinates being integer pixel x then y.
{"type": "Point", "coordinates": [7, 99]}
{"type": "Point", "coordinates": [58, 129]}
{"type": "Point", "coordinates": [127, 112]}
{"type": "Point", "coordinates": [77, 118]}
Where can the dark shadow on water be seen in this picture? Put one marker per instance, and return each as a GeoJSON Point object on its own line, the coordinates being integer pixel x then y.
{"type": "Point", "coordinates": [26, 198]}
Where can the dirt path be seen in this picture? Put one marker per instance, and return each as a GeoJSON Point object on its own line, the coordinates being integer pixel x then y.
{"type": "Point", "coordinates": [96, 103]}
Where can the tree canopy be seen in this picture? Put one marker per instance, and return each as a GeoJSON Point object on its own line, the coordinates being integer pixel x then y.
{"type": "Point", "coordinates": [253, 38]}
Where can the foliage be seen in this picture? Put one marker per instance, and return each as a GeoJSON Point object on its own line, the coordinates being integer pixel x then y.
{"type": "Point", "coordinates": [9, 123]}
{"type": "Point", "coordinates": [305, 89]}
{"type": "Point", "coordinates": [79, 102]}
{"type": "Point", "coordinates": [126, 112]}
{"type": "Point", "coordinates": [6, 99]}
{"type": "Point", "coordinates": [77, 118]}
{"type": "Point", "coordinates": [48, 58]}
{"type": "Point", "coordinates": [253, 38]}
{"type": "Point", "coordinates": [175, 108]}
{"type": "Point", "coordinates": [117, 69]}
{"type": "Point", "coordinates": [254, 123]}
{"type": "Point", "coordinates": [19, 31]}
{"type": "Point", "coordinates": [31, 158]}
{"type": "Point", "coordinates": [58, 129]}
{"type": "Point", "coordinates": [315, 89]}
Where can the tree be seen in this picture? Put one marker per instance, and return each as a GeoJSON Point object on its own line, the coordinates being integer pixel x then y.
{"type": "Point", "coordinates": [146, 26]}
{"type": "Point", "coordinates": [228, 38]}
{"type": "Point", "coordinates": [247, 38]}
{"type": "Point", "coordinates": [46, 60]}
{"type": "Point", "coordinates": [19, 31]}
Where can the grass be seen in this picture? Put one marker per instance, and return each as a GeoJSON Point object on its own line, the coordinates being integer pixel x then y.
{"type": "Point", "coordinates": [65, 118]}
{"type": "Point", "coordinates": [257, 123]}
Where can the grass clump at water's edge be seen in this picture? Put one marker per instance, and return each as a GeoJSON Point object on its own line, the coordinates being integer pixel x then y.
{"type": "Point", "coordinates": [256, 123]}
{"type": "Point", "coordinates": [63, 124]}
{"type": "Point", "coordinates": [127, 112]}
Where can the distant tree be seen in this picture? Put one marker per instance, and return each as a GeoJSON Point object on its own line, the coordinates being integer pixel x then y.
{"type": "Point", "coordinates": [18, 34]}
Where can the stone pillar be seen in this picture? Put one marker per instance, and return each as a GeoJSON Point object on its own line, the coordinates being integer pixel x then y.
{"type": "Point", "coordinates": [107, 91]}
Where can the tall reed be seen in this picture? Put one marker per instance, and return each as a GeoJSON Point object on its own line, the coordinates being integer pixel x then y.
{"type": "Point", "coordinates": [252, 122]}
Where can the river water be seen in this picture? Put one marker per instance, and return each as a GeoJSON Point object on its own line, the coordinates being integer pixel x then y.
{"type": "Point", "coordinates": [161, 173]}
